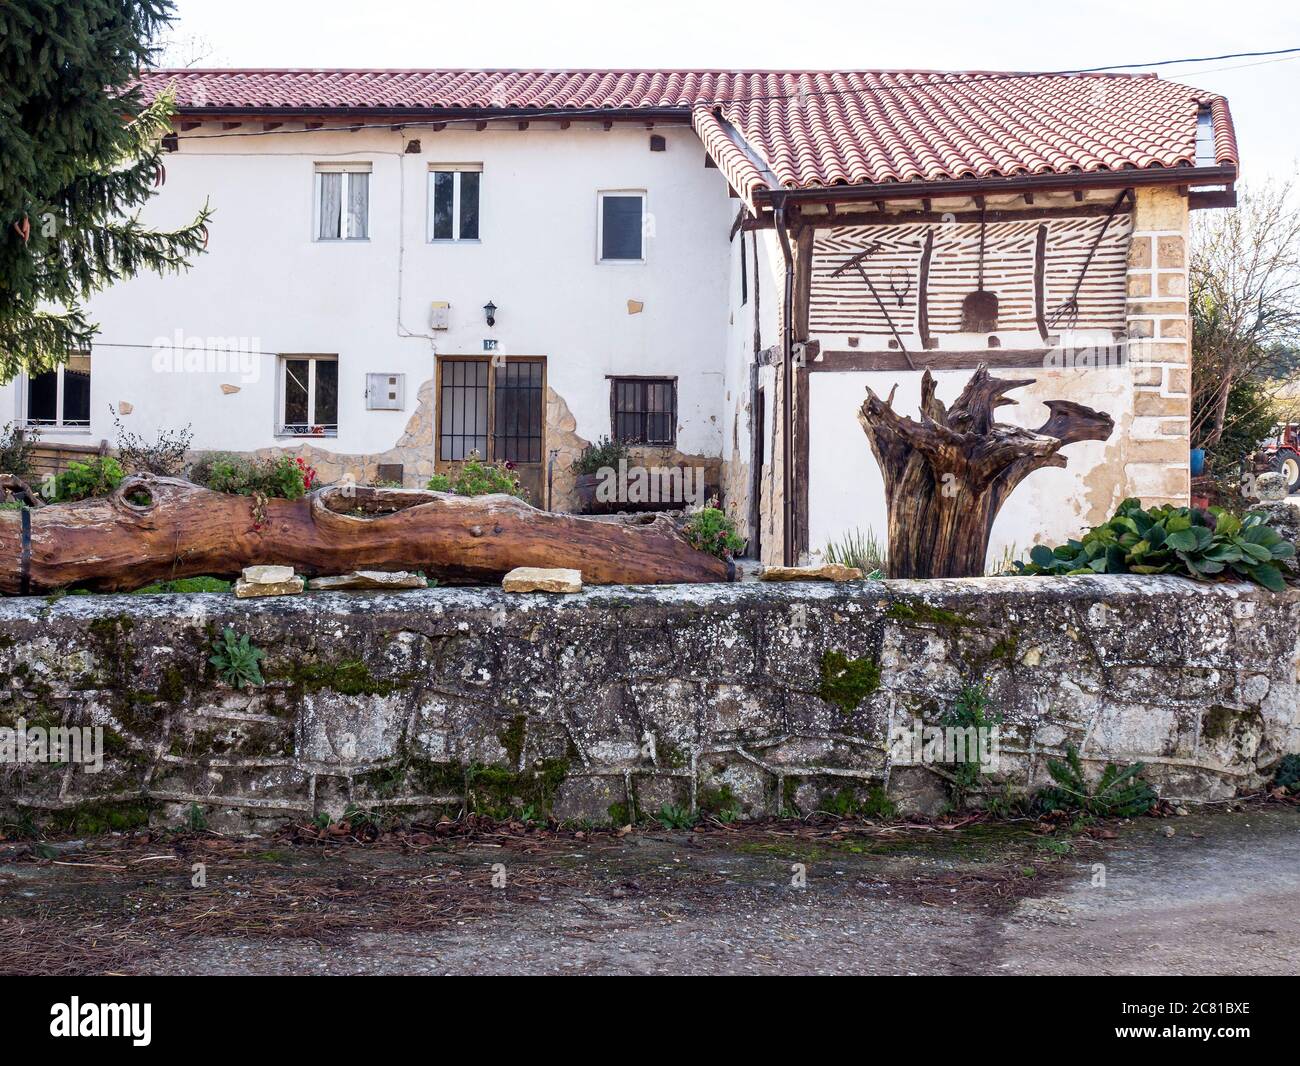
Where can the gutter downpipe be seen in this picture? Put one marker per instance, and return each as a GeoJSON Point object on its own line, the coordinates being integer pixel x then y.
{"type": "Point", "coordinates": [787, 384]}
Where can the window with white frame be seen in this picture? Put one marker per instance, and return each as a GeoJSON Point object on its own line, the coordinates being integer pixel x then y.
{"type": "Point", "coordinates": [455, 194]}
{"type": "Point", "coordinates": [59, 398]}
{"type": "Point", "coordinates": [342, 201]}
{"type": "Point", "coordinates": [309, 396]}
{"type": "Point", "coordinates": [621, 225]}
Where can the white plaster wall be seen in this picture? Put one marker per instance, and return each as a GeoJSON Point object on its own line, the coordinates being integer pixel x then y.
{"type": "Point", "coordinates": [846, 490]}
{"type": "Point", "coordinates": [265, 278]}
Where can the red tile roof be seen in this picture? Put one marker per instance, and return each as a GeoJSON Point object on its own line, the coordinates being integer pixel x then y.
{"type": "Point", "coordinates": [793, 129]}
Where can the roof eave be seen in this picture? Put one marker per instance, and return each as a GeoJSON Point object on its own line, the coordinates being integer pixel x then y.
{"type": "Point", "coordinates": [917, 190]}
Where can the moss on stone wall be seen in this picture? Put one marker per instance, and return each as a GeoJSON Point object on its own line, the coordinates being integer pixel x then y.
{"type": "Point", "coordinates": [847, 682]}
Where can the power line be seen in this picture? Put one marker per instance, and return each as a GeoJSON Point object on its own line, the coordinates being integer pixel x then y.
{"type": "Point", "coordinates": [939, 81]}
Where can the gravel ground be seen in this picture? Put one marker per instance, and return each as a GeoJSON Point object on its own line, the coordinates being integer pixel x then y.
{"type": "Point", "coordinates": [1219, 895]}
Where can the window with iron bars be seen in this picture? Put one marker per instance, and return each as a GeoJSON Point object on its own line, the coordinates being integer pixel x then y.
{"type": "Point", "coordinates": [644, 410]}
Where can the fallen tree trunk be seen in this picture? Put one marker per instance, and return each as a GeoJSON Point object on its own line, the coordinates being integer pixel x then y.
{"type": "Point", "coordinates": [156, 528]}
{"type": "Point", "coordinates": [947, 476]}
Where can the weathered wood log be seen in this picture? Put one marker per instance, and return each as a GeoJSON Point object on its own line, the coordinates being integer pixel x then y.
{"type": "Point", "coordinates": [15, 489]}
{"type": "Point", "coordinates": [947, 476]}
{"type": "Point", "coordinates": [155, 528]}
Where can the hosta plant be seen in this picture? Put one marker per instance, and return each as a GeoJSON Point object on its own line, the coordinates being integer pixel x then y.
{"type": "Point", "coordinates": [1171, 540]}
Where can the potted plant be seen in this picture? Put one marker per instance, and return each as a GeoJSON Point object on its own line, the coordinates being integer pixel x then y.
{"type": "Point", "coordinates": [604, 454]}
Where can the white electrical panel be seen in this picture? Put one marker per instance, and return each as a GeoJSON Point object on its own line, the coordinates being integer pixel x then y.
{"type": "Point", "coordinates": [385, 392]}
{"type": "Point", "coordinates": [439, 314]}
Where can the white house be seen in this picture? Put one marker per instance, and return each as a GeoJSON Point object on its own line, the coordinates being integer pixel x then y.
{"type": "Point", "coordinates": [407, 266]}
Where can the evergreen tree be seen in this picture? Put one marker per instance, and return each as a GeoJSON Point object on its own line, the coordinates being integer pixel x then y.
{"type": "Point", "coordinates": [80, 153]}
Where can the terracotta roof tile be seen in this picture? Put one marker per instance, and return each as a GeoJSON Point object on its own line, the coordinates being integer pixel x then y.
{"type": "Point", "coordinates": [807, 129]}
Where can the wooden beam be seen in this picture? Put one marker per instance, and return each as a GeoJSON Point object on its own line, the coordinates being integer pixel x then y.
{"type": "Point", "coordinates": [524, 124]}
{"type": "Point", "coordinates": [1029, 198]}
{"type": "Point", "coordinates": [1202, 198]}
{"type": "Point", "coordinates": [480, 126]}
{"type": "Point", "coordinates": [608, 124]}
{"type": "Point", "coordinates": [313, 125]}
{"type": "Point", "coordinates": [870, 218]}
{"type": "Point", "coordinates": [565, 124]}
{"type": "Point", "coordinates": [1078, 196]}
{"type": "Point", "coordinates": [923, 292]}
{"type": "Point", "coordinates": [268, 126]}
{"type": "Point", "coordinates": [1040, 280]}
{"type": "Point", "coordinates": [187, 126]}
{"type": "Point", "coordinates": [934, 359]}
{"type": "Point", "coordinates": [231, 125]}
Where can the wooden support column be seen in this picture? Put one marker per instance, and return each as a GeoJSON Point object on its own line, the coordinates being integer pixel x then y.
{"type": "Point", "coordinates": [803, 263]}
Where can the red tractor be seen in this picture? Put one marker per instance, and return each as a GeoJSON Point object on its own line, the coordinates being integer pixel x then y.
{"type": "Point", "coordinates": [1282, 453]}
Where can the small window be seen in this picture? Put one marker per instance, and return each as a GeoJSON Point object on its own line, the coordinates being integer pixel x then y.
{"type": "Point", "coordinates": [622, 226]}
{"type": "Point", "coordinates": [342, 202]}
{"type": "Point", "coordinates": [644, 410]}
{"type": "Point", "coordinates": [60, 398]}
{"type": "Point", "coordinates": [309, 395]}
{"type": "Point", "coordinates": [454, 199]}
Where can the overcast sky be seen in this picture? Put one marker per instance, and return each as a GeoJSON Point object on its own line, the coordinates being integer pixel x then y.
{"type": "Point", "coordinates": [796, 34]}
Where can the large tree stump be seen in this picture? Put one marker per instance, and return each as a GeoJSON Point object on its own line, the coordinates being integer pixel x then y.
{"type": "Point", "coordinates": [155, 528]}
{"type": "Point", "coordinates": [948, 475]}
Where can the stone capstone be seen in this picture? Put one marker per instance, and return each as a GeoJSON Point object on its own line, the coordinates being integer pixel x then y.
{"type": "Point", "coordinates": [267, 575]}
{"type": "Point", "coordinates": [542, 579]}
{"type": "Point", "coordinates": [247, 590]}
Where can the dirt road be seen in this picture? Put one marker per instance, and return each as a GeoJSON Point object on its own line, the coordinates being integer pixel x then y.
{"type": "Point", "coordinates": [1219, 895]}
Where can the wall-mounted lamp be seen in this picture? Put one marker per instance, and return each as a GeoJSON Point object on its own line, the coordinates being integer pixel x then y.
{"type": "Point", "coordinates": [490, 313]}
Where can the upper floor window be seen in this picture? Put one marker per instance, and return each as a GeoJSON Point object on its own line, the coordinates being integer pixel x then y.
{"type": "Point", "coordinates": [622, 226]}
{"type": "Point", "coordinates": [309, 395]}
{"type": "Point", "coordinates": [342, 201]}
{"type": "Point", "coordinates": [60, 398]}
{"type": "Point", "coordinates": [454, 195]}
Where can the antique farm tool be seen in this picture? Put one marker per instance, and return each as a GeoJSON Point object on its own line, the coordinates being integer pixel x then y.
{"type": "Point", "coordinates": [979, 309]}
{"type": "Point", "coordinates": [854, 262]}
{"type": "Point", "coordinates": [154, 528]}
{"type": "Point", "coordinates": [947, 476]}
{"type": "Point", "coordinates": [1068, 310]}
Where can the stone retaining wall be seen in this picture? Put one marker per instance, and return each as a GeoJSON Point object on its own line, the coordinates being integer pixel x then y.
{"type": "Point", "coordinates": [752, 696]}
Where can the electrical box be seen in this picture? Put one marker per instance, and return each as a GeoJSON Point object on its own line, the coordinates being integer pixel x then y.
{"type": "Point", "coordinates": [439, 314]}
{"type": "Point", "coordinates": [385, 392]}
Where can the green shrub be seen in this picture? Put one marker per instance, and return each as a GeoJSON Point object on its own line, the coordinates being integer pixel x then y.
{"type": "Point", "coordinates": [971, 710]}
{"type": "Point", "coordinates": [1288, 774]}
{"type": "Point", "coordinates": [710, 530]}
{"type": "Point", "coordinates": [282, 477]}
{"type": "Point", "coordinates": [1119, 793]}
{"type": "Point", "coordinates": [236, 660]}
{"type": "Point", "coordinates": [604, 453]}
{"type": "Point", "coordinates": [95, 477]}
{"type": "Point", "coordinates": [16, 447]}
{"type": "Point", "coordinates": [670, 816]}
{"type": "Point", "coordinates": [1170, 540]}
{"type": "Point", "coordinates": [477, 478]}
